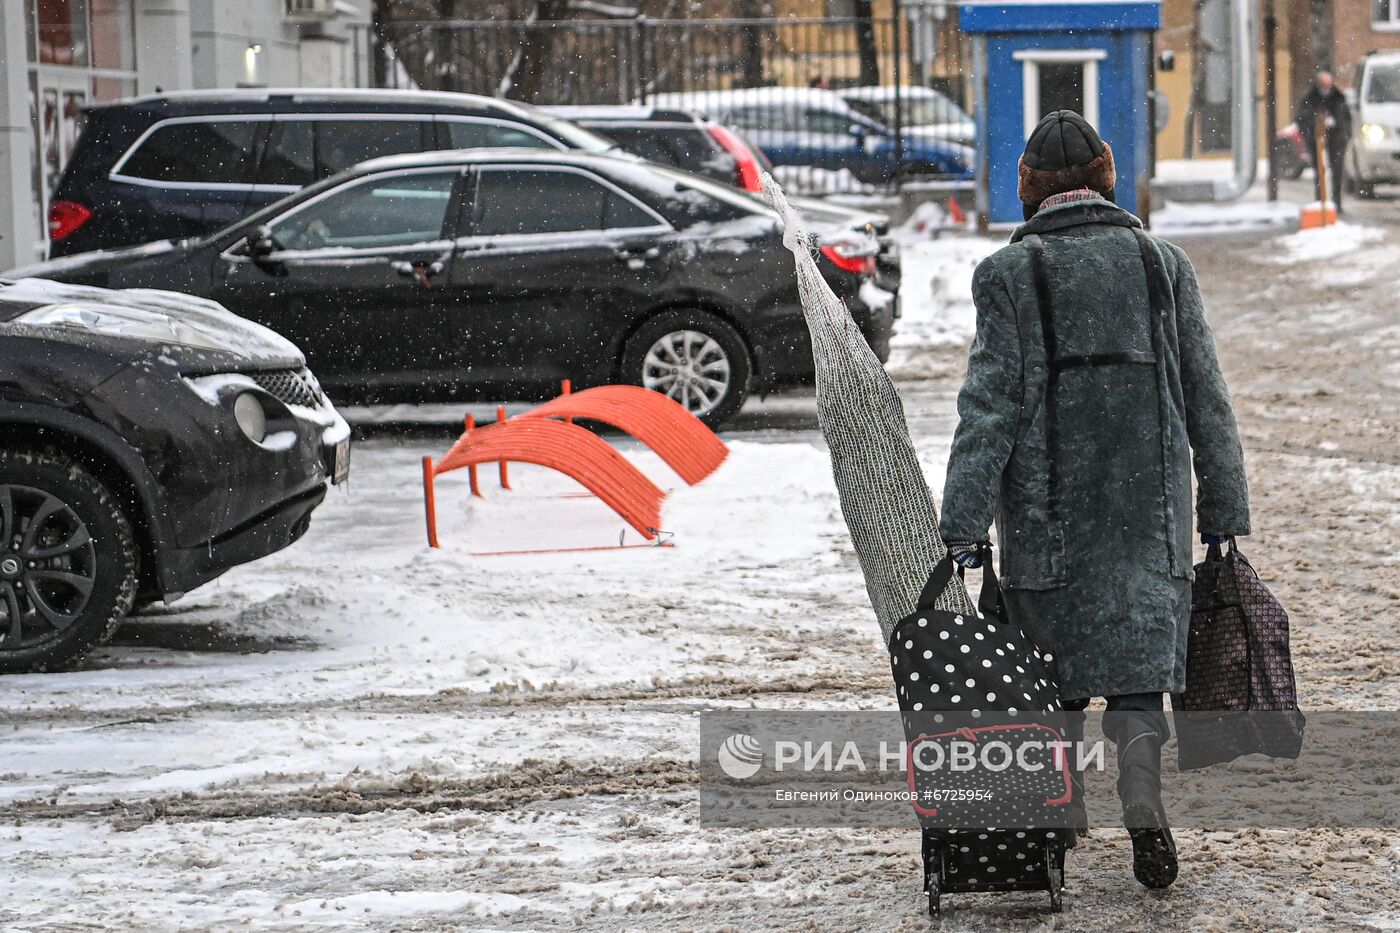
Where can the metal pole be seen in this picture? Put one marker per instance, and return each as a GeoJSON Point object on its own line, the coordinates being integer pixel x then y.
{"type": "Point", "coordinates": [1244, 128]}
{"type": "Point", "coordinates": [1144, 186]}
{"type": "Point", "coordinates": [639, 32]}
{"type": "Point", "coordinates": [375, 45]}
{"type": "Point", "coordinates": [979, 107]}
{"type": "Point", "coordinates": [898, 10]}
{"type": "Point", "coordinates": [1271, 94]}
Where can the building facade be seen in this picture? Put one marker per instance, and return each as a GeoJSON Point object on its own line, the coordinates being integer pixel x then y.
{"type": "Point", "coordinates": [1337, 39]}
{"type": "Point", "coordinates": [59, 56]}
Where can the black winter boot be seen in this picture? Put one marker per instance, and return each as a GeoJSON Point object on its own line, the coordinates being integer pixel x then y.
{"type": "Point", "coordinates": [1139, 737]}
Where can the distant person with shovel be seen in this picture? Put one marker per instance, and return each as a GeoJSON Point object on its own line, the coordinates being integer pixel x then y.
{"type": "Point", "coordinates": [1092, 389]}
{"type": "Point", "coordinates": [1325, 103]}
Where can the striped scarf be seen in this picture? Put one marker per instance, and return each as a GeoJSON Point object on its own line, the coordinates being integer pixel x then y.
{"type": "Point", "coordinates": [1071, 197]}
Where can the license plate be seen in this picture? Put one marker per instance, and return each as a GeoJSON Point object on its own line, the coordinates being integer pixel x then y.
{"type": "Point", "coordinates": [342, 462]}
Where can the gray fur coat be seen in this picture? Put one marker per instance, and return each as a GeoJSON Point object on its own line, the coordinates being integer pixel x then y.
{"type": "Point", "coordinates": [1084, 461]}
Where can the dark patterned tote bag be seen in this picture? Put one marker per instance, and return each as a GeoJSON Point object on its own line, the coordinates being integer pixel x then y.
{"type": "Point", "coordinates": [1240, 695]}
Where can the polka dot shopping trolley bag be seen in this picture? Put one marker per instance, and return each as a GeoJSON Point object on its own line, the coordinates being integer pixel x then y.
{"type": "Point", "coordinates": [987, 763]}
{"type": "Point", "coordinates": [990, 828]}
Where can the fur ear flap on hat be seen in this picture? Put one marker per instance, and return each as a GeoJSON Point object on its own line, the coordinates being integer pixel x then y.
{"type": "Point", "coordinates": [1035, 185]}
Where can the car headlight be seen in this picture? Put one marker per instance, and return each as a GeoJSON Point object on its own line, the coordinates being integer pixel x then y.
{"type": "Point", "coordinates": [248, 412]}
{"type": "Point", "coordinates": [120, 321]}
{"type": "Point", "coordinates": [1373, 133]}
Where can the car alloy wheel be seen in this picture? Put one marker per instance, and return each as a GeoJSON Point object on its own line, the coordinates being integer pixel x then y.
{"type": "Point", "coordinates": [690, 367]}
{"type": "Point", "coordinates": [48, 567]}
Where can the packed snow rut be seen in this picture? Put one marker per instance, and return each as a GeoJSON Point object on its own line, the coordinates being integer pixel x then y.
{"type": "Point", "coordinates": [362, 734]}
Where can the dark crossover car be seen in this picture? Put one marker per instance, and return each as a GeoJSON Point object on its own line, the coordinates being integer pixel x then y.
{"type": "Point", "coordinates": [688, 140]}
{"type": "Point", "coordinates": [148, 442]}
{"type": "Point", "coordinates": [509, 270]}
{"type": "Point", "coordinates": [684, 139]}
{"type": "Point", "coordinates": [189, 163]}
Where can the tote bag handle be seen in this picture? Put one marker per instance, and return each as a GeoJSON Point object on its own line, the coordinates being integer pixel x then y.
{"type": "Point", "coordinates": [989, 601]}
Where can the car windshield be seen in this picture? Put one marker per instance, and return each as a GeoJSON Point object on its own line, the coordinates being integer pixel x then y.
{"type": "Point", "coordinates": [916, 111]}
{"type": "Point", "coordinates": [1383, 85]}
{"type": "Point", "coordinates": [930, 110]}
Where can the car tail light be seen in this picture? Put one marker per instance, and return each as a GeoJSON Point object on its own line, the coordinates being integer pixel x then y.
{"type": "Point", "coordinates": [66, 217]}
{"type": "Point", "coordinates": [854, 256]}
{"type": "Point", "coordinates": [748, 172]}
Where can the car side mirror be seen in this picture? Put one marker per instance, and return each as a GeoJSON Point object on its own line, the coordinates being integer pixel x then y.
{"type": "Point", "coordinates": [857, 131]}
{"type": "Point", "coordinates": [1350, 95]}
{"type": "Point", "coordinates": [260, 244]}
{"type": "Point", "coordinates": [262, 249]}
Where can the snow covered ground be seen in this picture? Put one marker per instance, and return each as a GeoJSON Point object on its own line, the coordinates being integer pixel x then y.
{"type": "Point", "coordinates": [936, 298]}
{"type": "Point", "coordinates": [363, 733]}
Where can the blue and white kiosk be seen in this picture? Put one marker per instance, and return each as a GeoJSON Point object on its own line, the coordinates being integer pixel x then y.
{"type": "Point", "coordinates": [1032, 58]}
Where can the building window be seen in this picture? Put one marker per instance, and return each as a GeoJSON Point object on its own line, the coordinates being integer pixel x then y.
{"type": "Point", "coordinates": [63, 31]}
{"type": "Point", "coordinates": [80, 52]}
{"type": "Point", "coordinates": [1386, 13]}
{"type": "Point", "coordinates": [1061, 87]}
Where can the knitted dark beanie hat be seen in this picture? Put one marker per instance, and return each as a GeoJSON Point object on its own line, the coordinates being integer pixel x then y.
{"type": "Point", "coordinates": [1064, 153]}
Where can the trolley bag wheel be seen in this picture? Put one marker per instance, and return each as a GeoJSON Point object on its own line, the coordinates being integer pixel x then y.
{"type": "Point", "coordinates": [1055, 876]}
{"type": "Point", "coordinates": [933, 874]}
{"type": "Point", "coordinates": [933, 883]}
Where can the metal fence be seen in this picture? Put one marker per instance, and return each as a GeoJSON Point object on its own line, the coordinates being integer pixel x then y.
{"type": "Point", "coordinates": [838, 104]}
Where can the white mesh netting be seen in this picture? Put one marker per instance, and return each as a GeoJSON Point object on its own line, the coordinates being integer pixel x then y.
{"type": "Point", "coordinates": [884, 496]}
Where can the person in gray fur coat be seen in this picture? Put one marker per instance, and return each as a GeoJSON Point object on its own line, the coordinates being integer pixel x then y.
{"type": "Point", "coordinates": [1092, 389]}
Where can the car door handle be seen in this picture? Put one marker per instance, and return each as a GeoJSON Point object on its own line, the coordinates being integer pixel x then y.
{"type": "Point", "coordinates": [422, 271]}
{"type": "Point", "coordinates": [637, 258]}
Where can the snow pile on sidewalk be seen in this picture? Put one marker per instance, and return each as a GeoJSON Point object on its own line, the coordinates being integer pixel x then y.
{"type": "Point", "coordinates": [1176, 219]}
{"type": "Point", "coordinates": [1330, 242]}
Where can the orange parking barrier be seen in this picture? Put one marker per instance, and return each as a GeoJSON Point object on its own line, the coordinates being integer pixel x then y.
{"type": "Point", "coordinates": [663, 424]}
{"type": "Point", "coordinates": [568, 448]}
{"type": "Point", "coordinates": [505, 474]}
{"type": "Point", "coordinates": [470, 426]}
{"type": "Point", "coordinates": [430, 501]}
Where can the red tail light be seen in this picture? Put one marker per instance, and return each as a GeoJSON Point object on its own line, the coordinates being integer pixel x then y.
{"type": "Point", "coordinates": [859, 264]}
{"type": "Point", "coordinates": [65, 217]}
{"type": "Point", "coordinates": [747, 174]}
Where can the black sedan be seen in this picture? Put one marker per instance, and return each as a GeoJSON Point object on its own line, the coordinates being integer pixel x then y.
{"type": "Point", "coordinates": [505, 271]}
{"type": "Point", "coordinates": [148, 442]}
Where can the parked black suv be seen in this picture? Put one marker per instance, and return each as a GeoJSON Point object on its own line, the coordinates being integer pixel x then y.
{"type": "Point", "coordinates": [440, 274]}
{"type": "Point", "coordinates": [187, 164]}
{"type": "Point", "coordinates": [148, 442]}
